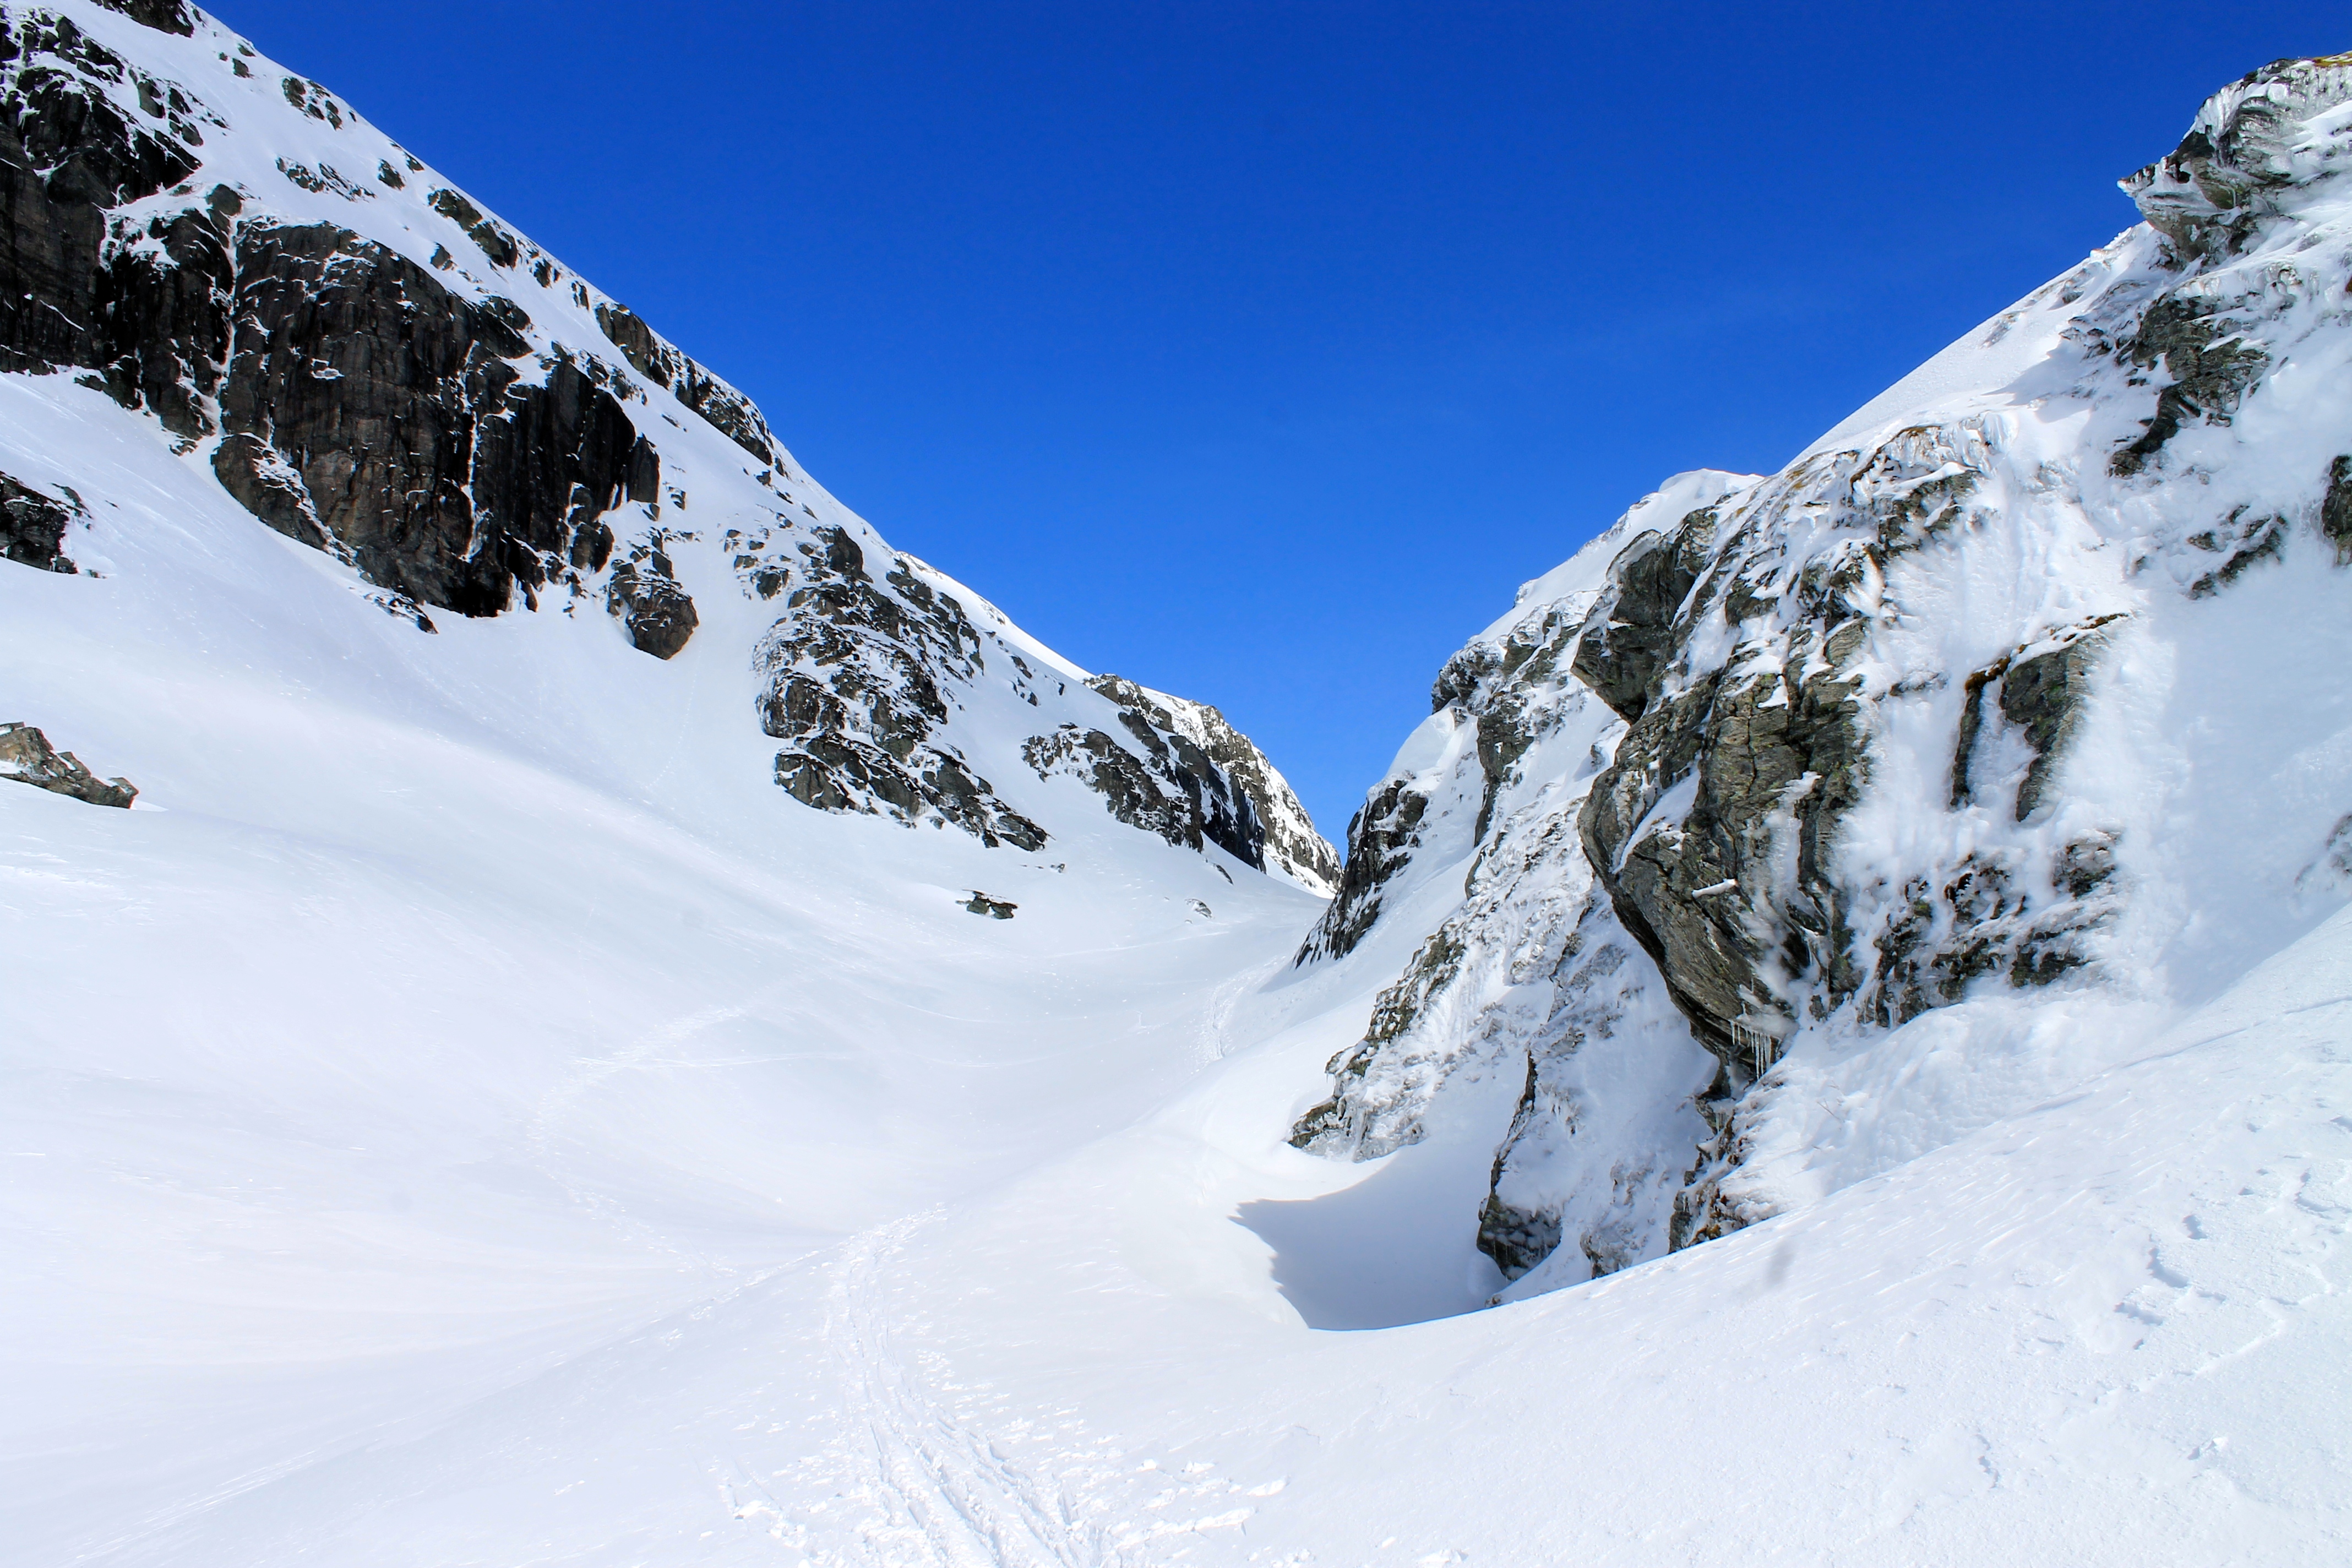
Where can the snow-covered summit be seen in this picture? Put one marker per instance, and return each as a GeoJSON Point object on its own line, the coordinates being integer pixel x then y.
{"type": "Point", "coordinates": [2271, 143]}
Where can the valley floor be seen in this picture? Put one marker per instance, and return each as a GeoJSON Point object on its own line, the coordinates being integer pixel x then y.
{"type": "Point", "coordinates": [466, 1114]}
{"type": "Point", "coordinates": [559, 1188]}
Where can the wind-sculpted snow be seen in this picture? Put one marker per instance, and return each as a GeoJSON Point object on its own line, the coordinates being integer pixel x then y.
{"type": "Point", "coordinates": [1895, 727]}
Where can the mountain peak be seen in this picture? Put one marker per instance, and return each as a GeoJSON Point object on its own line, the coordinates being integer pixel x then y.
{"type": "Point", "coordinates": [2263, 145]}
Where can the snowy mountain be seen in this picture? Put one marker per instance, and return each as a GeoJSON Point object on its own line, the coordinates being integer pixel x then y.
{"type": "Point", "coordinates": [376, 367]}
{"type": "Point", "coordinates": [625, 1021]}
{"type": "Point", "coordinates": [1996, 712]}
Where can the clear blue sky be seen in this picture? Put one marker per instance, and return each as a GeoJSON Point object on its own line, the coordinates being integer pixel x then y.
{"type": "Point", "coordinates": [1258, 352]}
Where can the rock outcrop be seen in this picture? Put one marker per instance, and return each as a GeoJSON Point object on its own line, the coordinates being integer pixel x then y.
{"type": "Point", "coordinates": [370, 412]}
{"type": "Point", "coordinates": [371, 364]}
{"type": "Point", "coordinates": [728, 410]}
{"type": "Point", "coordinates": [33, 527]}
{"type": "Point", "coordinates": [1186, 774]}
{"type": "Point", "coordinates": [644, 594]}
{"type": "Point", "coordinates": [854, 675]}
{"type": "Point", "coordinates": [26, 757]}
{"type": "Point", "coordinates": [1841, 784]}
{"type": "Point", "coordinates": [359, 404]}
{"type": "Point", "coordinates": [1382, 837]}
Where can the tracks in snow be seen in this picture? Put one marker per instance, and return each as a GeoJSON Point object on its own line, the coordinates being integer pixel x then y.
{"type": "Point", "coordinates": [948, 1495]}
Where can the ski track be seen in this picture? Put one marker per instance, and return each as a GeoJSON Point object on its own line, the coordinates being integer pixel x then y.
{"type": "Point", "coordinates": [920, 1471]}
{"type": "Point", "coordinates": [946, 1496]}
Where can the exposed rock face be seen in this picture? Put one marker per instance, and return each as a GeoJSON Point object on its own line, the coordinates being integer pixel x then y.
{"type": "Point", "coordinates": [1508, 695]}
{"type": "Point", "coordinates": [728, 410]}
{"type": "Point", "coordinates": [1178, 770]}
{"type": "Point", "coordinates": [1625, 639]}
{"type": "Point", "coordinates": [1845, 787]}
{"type": "Point", "coordinates": [979, 903]}
{"type": "Point", "coordinates": [69, 151]}
{"type": "Point", "coordinates": [373, 365]}
{"type": "Point", "coordinates": [2042, 691]}
{"type": "Point", "coordinates": [1215, 806]}
{"type": "Point", "coordinates": [365, 408]}
{"type": "Point", "coordinates": [1530, 978]}
{"type": "Point", "coordinates": [370, 412]}
{"type": "Point", "coordinates": [645, 594]}
{"type": "Point", "coordinates": [1381, 837]}
{"type": "Point", "coordinates": [165, 16]}
{"type": "Point", "coordinates": [2244, 160]}
{"type": "Point", "coordinates": [26, 757]}
{"type": "Point", "coordinates": [854, 679]}
{"type": "Point", "coordinates": [33, 527]}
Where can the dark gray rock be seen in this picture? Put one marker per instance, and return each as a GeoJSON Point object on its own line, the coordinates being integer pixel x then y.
{"type": "Point", "coordinates": [26, 757]}
{"type": "Point", "coordinates": [1517, 1238]}
{"type": "Point", "coordinates": [1133, 791]}
{"type": "Point", "coordinates": [2336, 509]}
{"type": "Point", "coordinates": [372, 413]}
{"type": "Point", "coordinates": [1994, 916]}
{"type": "Point", "coordinates": [1630, 631]}
{"type": "Point", "coordinates": [366, 410]}
{"type": "Point", "coordinates": [1227, 797]}
{"type": "Point", "coordinates": [2204, 348]}
{"type": "Point", "coordinates": [1348, 1122]}
{"type": "Point", "coordinates": [1758, 751]}
{"type": "Point", "coordinates": [2043, 692]}
{"type": "Point", "coordinates": [656, 612]}
{"type": "Point", "coordinates": [728, 410]}
{"type": "Point", "coordinates": [2247, 538]}
{"type": "Point", "coordinates": [1768, 742]}
{"type": "Point", "coordinates": [499, 246]}
{"type": "Point", "coordinates": [979, 903]}
{"type": "Point", "coordinates": [2212, 194]}
{"type": "Point", "coordinates": [33, 527]}
{"type": "Point", "coordinates": [1511, 694]}
{"type": "Point", "coordinates": [1178, 770]}
{"type": "Point", "coordinates": [853, 676]}
{"type": "Point", "coordinates": [164, 15]}
{"type": "Point", "coordinates": [68, 296]}
{"type": "Point", "coordinates": [1382, 837]}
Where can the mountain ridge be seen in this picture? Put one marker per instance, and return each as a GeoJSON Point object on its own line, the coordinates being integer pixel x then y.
{"type": "Point", "coordinates": [377, 367]}
{"type": "Point", "coordinates": [1929, 605]}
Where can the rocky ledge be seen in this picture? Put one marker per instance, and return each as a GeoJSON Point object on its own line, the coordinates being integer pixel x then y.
{"type": "Point", "coordinates": [26, 757]}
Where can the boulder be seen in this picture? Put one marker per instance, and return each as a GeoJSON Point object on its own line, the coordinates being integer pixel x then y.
{"type": "Point", "coordinates": [26, 757]}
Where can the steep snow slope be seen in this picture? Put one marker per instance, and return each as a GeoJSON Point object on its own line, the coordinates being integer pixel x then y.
{"type": "Point", "coordinates": [346, 343]}
{"type": "Point", "coordinates": [468, 1112]}
{"type": "Point", "coordinates": [1920, 776]}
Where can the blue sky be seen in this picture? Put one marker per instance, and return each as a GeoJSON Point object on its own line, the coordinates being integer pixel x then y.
{"type": "Point", "coordinates": [1258, 352]}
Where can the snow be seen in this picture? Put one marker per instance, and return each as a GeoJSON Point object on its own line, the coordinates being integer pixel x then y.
{"type": "Point", "coordinates": [467, 1114]}
{"type": "Point", "coordinates": [1585, 571]}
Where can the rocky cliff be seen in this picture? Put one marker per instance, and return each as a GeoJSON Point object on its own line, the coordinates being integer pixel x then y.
{"type": "Point", "coordinates": [1780, 765]}
{"type": "Point", "coordinates": [377, 367]}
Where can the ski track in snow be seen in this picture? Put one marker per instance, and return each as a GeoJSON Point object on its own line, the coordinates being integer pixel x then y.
{"type": "Point", "coordinates": [946, 1496]}
{"type": "Point", "coordinates": [927, 1469]}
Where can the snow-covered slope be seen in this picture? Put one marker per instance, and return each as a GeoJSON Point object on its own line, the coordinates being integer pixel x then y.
{"type": "Point", "coordinates": [1911, 781]}
{"type": "Point", "coordinates": [335, 335]}
{"type": "Point", "coordinates": [498, 1096]}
